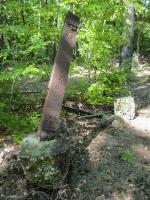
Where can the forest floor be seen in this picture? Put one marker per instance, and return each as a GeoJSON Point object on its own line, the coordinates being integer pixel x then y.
{"type": "Point", "coordinates": [107, 163]}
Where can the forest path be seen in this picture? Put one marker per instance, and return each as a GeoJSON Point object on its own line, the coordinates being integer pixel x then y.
{"type": "Point", "coordinates": [142, 98]}
{"type": "Point", "coordinates": [142, 121]}
{"type": "Point", "coordinates": [113, 163]}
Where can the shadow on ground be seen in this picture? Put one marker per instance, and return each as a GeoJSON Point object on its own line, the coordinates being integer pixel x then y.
{"type": "Point", "coordinates": [101, 168]}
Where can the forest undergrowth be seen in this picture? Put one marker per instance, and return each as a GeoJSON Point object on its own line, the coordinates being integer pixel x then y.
{"type": "Point", "coordinates": [106, 162]}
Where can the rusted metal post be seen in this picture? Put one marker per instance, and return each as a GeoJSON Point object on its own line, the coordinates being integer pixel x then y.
{"type": "Point", "coordinates": [50, 122]}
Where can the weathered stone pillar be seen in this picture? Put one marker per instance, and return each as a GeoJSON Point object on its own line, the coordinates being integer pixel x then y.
{"type": "Point", "coordinates": [44, 155]}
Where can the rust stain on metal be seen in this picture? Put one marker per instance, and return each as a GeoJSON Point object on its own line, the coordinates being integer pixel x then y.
{"type": "Point", "coordinates": [50, 122]}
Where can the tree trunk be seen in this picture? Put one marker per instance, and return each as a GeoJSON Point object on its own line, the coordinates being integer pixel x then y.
{"type": "Point", "coordinates": [1, 40]}
{"type": "Point", "coordinates": [1, 48]}
{"type": "Point", "coordinates": [127, 50]}
{"type": "Point", "coordinates": [138, 47]}
{"type": "Point", "coordinates": [39, 19]}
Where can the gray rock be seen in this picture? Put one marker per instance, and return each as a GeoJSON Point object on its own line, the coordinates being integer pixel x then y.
{"type": "Point", "coordinates": [118, 123]}
{"type": "Point", "coordinates": [125, 107]}
{"type": "Point", "coordinates": [43, 161]}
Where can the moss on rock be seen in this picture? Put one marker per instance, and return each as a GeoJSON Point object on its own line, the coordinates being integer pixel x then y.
{"type": "Point", "coordinates": [42, 161]}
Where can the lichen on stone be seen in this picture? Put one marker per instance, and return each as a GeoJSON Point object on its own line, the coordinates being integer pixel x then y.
{"type": "Point", "coordinates": [125, 107]}
{"type": "Point", "coordinates": [39, 160]}
{"type": "Point", "coordinates": [118, 123]}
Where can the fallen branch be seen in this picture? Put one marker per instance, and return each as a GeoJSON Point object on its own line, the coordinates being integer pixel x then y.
{"type": "Point", "coordinates": [76, 110]}
{"type": "Point", "coordinates": [87, 114]}
{"type": "Point", "coordinates": [99, 115]}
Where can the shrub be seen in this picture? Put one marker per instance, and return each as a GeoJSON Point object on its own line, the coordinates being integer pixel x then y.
{"type": "Point", "coordinates": [109, 84]}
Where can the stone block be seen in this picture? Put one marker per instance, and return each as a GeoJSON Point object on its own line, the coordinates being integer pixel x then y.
{"type": "Point", "coordinates": [44, 162]}
{"type": "Point", "coordinates": [125, 107]}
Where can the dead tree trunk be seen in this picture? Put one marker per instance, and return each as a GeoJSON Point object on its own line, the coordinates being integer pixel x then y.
{"type": "Point", "coordinates": [50, 123]}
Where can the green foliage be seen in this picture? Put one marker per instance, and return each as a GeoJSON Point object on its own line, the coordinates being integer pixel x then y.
{"type": "Point", "coordinates": [30, 71]}
{"type": "Point", "coordinates": [33, 119]}
{"type": "Point", "coordinates": [104, 174]}
{"type": "Point", "coordinates": [76, 89]}
{"type": "Point", "coordinates": [18, 125]}
{"type": "Point", "coordinates": [17, 137]}
{"type": "Point", "coordinates": [30, 32]}
{"type": "Point", "coordinates": [110, 84]}
{"type": "Point", "coordinates": [63, 114]}
{"type": "Point", "coordinates": [128, 156]}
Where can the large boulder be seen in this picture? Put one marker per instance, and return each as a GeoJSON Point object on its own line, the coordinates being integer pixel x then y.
{"type": "Point", "coordinates": [125, 107]}
{"type": "Point", "coordinates": [44, 162]}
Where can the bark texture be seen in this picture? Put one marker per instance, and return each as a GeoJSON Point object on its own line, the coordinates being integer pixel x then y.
{"type": "Point", "coordinates": [127, 50]}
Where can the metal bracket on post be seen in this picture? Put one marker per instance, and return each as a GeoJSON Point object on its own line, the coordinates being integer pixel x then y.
{"type": "Point", "coordinates": [50, 122]}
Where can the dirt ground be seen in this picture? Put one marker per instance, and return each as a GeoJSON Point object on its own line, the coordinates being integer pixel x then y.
{"type": "Point", "coordinates": [106, 163]}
